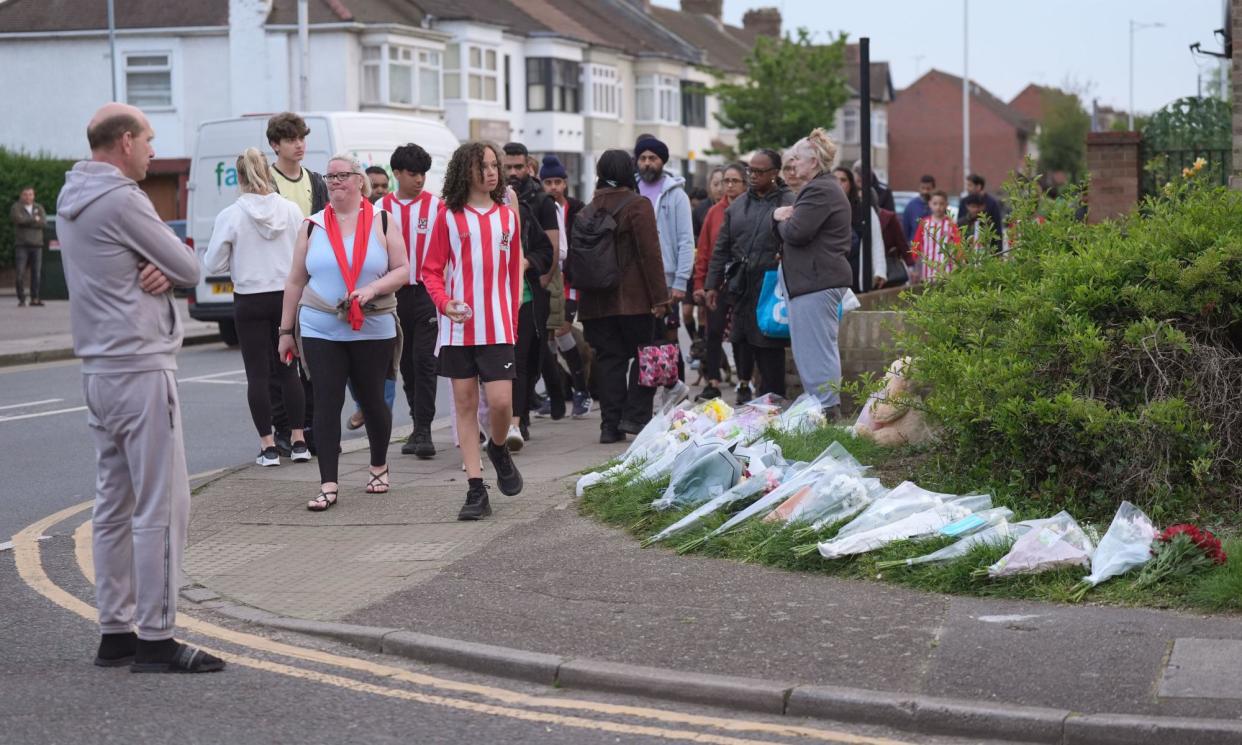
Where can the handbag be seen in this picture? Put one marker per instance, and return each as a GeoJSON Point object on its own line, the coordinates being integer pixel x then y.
{"type": "Point", "coordinates": [772, 312]}
{"type": "Point", "coordinates": [657, 365]}
{"type": "Point", "coordinates": [735, 280]}
{"type": "Point", "coordinates": [896, 273]}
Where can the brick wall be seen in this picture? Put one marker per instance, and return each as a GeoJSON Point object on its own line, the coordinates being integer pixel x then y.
{"type": "Point", "coordinates": [1114, 162]}
{"type": "Point", "coordinates": [925, 136]}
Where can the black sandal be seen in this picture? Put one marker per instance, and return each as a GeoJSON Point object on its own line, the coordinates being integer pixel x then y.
{"type": "Point", "coordinates": [376, 485]}
{"type": "Point", "coordinates": [322, 502]}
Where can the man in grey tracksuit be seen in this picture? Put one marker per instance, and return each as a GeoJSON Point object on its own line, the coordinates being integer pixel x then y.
{"type": "Point", "coordinates": [120, 263]}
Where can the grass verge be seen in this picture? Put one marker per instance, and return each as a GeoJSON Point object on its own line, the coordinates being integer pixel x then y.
{"type": "Point", "coordinates": [626, 502]}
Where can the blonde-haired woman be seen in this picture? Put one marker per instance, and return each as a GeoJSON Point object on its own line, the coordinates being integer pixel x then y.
{"type": "Point", "coordinates": [348, 262]}
{"type": "Point", "coordinates": [252, 242]}
{"type": "Point", "coordinates": [815, 267]}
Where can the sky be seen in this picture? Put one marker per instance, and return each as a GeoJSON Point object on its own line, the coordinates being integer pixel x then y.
{"type": "Point", "coordinates": [1049, 42]}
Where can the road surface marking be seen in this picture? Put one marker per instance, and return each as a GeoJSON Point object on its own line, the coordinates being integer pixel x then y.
{"type": "Point", "coordinates": [30, 569]}
{"type": "Point", "coordinates": [32, 403]}
{"type": "Point", "coordinates": [211, 377]}
{"type": "Point", "coordinates": [17, 417]}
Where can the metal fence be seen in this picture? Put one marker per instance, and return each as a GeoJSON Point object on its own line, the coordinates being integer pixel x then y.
{"type": "Point", "coordinates": [1162, 166]}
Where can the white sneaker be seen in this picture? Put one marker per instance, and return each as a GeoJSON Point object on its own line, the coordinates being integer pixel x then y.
{"type": "Point", "coordinates": [268, 457]}
{"type": "Point", "coordinates": [514, 440]}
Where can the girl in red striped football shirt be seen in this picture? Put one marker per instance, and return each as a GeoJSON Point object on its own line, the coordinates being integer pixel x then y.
{"type": "Point", "coordinates": [937, 242]}
{"type": "Point", "coordinates": [473, 272]}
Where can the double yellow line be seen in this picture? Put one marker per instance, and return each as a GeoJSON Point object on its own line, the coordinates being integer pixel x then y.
{"type": "Point", "coordinates": [452, 694]}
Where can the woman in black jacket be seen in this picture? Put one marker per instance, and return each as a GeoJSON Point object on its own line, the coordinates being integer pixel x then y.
{"type": "Point", "coordinates": [746, 249]}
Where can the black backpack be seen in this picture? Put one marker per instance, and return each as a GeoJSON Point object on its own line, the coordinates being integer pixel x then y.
{"type": "Point", "coordinates": [592, 262]}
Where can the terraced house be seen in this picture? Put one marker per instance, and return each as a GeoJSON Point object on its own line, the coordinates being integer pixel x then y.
{"type": "Point", "coordinates": [571, 77]}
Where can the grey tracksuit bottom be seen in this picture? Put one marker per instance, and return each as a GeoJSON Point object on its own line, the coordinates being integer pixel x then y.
{"type": "Point", "coordinates": [813, 327]}
{"type": "Point", "coordinates": [142, 500]}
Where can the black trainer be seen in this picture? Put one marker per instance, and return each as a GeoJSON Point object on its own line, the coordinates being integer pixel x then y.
{"type": "Point", "coordinates": [477, 505]}
{"type": "Point", "coordinates": [411, 444]}
{"type": "Point", "coordinates": [507, 476]}
{"type": "Point", "coordinates": [419, 444]}
{"type": "Point", "coordinates": [300, 453]}
{"type": "Point", "coordinates": [608, 436]}
{"type": "Point", "coordinates": [709, 392]}
{"type": "Point", "coordinates": [744, 394]}
{"type": "Point", "coordinates": [268, 457]}
{"type": "Point", "coordinates": [284, 445]}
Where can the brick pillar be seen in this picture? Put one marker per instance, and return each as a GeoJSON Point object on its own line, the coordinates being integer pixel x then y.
{"type": "Point", "coordinates": [1114, 162]}
{"type": "Point", "coordinates": [1235, 75]}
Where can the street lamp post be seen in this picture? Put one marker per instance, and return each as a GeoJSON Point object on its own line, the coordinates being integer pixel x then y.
{"type": "Point", "coordinates": [1135, 26]}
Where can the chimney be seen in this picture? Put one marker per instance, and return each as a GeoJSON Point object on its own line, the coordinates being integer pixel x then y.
{"type": "Point", "coordinates": [713, 8]}
{"type": "Point", "coordinates": [763, 21]}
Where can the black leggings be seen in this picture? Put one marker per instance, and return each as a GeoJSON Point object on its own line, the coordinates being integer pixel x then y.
{"type": "Point", "coordinates": [713, 355]}
{"type": "Point", "coordinates": [257, 317]}
{"type": "Point", "coordinates": [365, 364]}
{"type": "Point", "coordinates": [771, 362]}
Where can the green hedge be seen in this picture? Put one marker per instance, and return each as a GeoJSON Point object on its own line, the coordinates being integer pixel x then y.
{"type": "Point", "coordinates": [18, 170]}
{"type": "Point", "coordinates": [1099, 362]}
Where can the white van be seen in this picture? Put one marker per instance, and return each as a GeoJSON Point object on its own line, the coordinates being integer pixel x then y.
{"type": "Point", "coordinates": [213, 175]}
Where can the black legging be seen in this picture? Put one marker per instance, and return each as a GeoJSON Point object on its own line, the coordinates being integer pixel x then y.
{"type": "Point", "coordinates": [771, 362]}
{"type": "Point", "coordinates": [365, 364]}
{"type": "Point", "coordinates": [717, 321]}
{"type": "Point", "coordinates": [528, 353]}
{"type": "Point", "coordinates": [257, 317]}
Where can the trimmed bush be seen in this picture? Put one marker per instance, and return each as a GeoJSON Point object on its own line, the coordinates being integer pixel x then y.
{"type": "Point", "coordinates": [1096, 363]}
{"type": "Point", "coordinates": [18, 170]}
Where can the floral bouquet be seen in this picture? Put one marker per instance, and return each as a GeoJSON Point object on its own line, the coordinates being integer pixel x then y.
{"type": "Point", "coordinates": [1050, 544]}
{"type": "Point", "coordinates": [1179, 551]}
{"type": "Point", "coordinates": [1125, 546]}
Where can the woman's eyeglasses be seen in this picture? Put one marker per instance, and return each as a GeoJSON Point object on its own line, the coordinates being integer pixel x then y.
{"type": "Point", "coordinates": [759, 171]}
{"type": "Point", "coordinates": [734, 181]}
{"type": "Point", "coordinates": [339, 177]}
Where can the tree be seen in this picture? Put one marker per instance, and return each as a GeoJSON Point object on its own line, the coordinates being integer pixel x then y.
{"type": "Point", "coordinates": [1062, 138]}
{"type": "Point", "coordinates": [1190, 124]}
{"type": "Point", "coordinates": [792, 87]}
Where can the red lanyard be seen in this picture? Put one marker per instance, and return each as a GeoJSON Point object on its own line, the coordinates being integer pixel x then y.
{"type": "Point", "coordinates": [362, 233]}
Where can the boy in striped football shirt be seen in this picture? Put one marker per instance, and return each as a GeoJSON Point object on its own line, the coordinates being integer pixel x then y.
{"type": "Point", "coordinates": [414, 211]}
{"type": "Point", "coordinates": [473, 272]}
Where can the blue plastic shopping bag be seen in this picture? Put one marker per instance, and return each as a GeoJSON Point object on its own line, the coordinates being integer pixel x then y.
{"type": "Point", "coordinates": [772, 313]}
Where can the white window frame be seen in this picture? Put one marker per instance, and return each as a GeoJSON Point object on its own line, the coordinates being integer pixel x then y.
{"type": "Point", "coordinates": [377, 60]}
{"type": "Point", "coordinates": [167, 68]}
{"type": "Point", "coordinates": [850, 119]}
{"type": "Point", "coordinates": [602, 92]}
{"type": "Point", "coordinates": [468, 71]}
{"type": "Point", "coordinates": [665, 93]}
{"type": "Point", "coordinates": [879, 128]}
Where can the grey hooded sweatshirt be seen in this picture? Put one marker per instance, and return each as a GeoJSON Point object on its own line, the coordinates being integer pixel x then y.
{"type": "Point", "coordinates": [106, 226]}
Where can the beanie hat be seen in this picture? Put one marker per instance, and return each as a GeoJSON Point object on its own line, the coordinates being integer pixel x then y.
{"type": "Point", "coordinates": [654, 145]}
{"type": "Point", "coordinates": [552, 168]}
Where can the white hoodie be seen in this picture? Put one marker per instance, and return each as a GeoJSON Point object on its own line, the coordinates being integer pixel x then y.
{"type": "Point", "coordinates": [252, 242]}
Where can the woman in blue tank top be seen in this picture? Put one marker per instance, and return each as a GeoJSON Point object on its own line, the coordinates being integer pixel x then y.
{"type": "Point", "coordinates": [348, 262]}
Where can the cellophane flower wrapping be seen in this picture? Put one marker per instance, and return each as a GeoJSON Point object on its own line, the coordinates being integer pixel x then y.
{"type": "Point", "coordinates": [1050, 544]}
{"type": "Point", "coordinates": [919, 524]}
{"type": "Point", "coordinates": [1126, 545]}
{"type": "Point", "coordinates": [701, 475]}
{"type": "Point", "coordinates": [993, 535]}
{"type": "Point", "coordinates": [834, 459]}
{"type": "Point", "coordinates": [761, 482]}
{"type": "Point", "coordinates": [903, 500]}
{"type": "Point", "coordinates": [805, 415]}
{"type": "Point", "coordinates": [832, 497]}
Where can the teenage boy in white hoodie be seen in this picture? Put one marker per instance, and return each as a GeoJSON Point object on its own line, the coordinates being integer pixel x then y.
{"type": "Point", "coordinates": [119, 260]}
{"type": "Point", "coordinates": [252, 241]}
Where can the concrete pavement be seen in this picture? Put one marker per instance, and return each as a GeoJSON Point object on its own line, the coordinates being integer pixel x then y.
{"type": "Point", "coordinates": [29, 334]}
{"type": "Point", "coordinates": [539, 590]}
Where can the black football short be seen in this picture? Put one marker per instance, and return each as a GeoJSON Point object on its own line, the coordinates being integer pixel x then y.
{"type": "Point", "coordinates": [488, 362]}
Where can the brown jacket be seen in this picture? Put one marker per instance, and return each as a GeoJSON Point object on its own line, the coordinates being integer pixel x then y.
{"type": "Point", "coordinates": [642, 267]}
{"type": "Point", "coordinates": [28, 227]}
